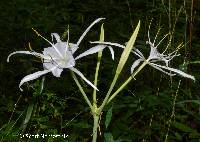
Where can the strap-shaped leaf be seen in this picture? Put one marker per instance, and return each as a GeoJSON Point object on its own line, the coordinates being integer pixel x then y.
{"type": "Point", "coordinates": [121, 64]}
{"type": "Point", "coordinates": [108, 117]}
{"type": "Point", "coordinates": [127, 50]}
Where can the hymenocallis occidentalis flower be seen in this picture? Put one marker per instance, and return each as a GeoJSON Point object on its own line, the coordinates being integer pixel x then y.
{"type": "Point", "coordinates": [59, 56]}
{"type": "Point", "coordinates": [155, 57]}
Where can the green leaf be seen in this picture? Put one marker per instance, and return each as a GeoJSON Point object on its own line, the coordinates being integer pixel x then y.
{"type": "Point", "coordinates": [195, 62]}
{"type": "Point", "coordinates": [127, 49]}
{"type": "Point", "coordinates": [122, 61]}
{"type": "Point", "coordinates": [190, 101]}
{"type": "Point", "coordinates": [183, 67]}
{"type": "Point", "coordinates": [183, 127]}
{"type": "Point", "coordinates": [178, 136]}
{"type": "Point", "coordinates": [123, 140]}
{"type": "Point", "coordinates": [82, 124]}
{"type": "Point", "coordinates": [28, 115]}
{"type": "Point", "coordinates": [108, 137]}
{"type": "Point", "coordinates": [102, 34]}
{"type": "Point", "coordinates": [108, 117]}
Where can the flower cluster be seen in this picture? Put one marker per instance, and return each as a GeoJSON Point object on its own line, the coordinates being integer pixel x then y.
{"type": "Point", "coordinates": [60, 55]}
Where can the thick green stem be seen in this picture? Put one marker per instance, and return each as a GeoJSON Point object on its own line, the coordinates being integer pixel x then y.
{"type": "Point", "coordinates": [95, 127]}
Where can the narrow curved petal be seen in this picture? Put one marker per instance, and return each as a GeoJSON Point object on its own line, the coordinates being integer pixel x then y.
{"type": "Point", "coordinates": [107, 43]}
{"type": "Point", "coordinates": [135, 64]}
{"type": "Point", "coordinates": [176, 71]}
{"type": "Point", "coordinates": [87, 30]}
{"type": "Point", "coordinates": [32, 77]}
{"type": "Point", "coordinates": [112, 52]}
{"type": "Point", "coordinates": [56, 36]}
{"type": "Point", "coordinates": [158, 68]}
{"type": "Point", "coordinates": [29, 53]}
{"type": "Point", "coordinates": [92, 50]}
{"type": "Point", "coordinates": [138, 53]}
{"type": "Point", "coordinates": [83, 77]}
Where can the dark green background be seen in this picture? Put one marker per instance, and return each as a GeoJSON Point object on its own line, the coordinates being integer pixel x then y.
{"type": "Point", "coordinates": [148, 98]}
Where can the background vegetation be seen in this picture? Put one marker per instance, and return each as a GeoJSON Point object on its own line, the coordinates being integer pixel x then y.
{"type": "Point", "coordinates": [154, 108]}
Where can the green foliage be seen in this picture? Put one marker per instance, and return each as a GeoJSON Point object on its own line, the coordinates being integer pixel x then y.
{"type": "Point", "coordinates": [108, 117]}
{"type": "Point", "coordinates": [142, 112]}
{"type": "Point", "coordinates": [108, 137]}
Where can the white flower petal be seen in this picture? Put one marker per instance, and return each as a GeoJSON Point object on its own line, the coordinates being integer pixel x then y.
{"type": "Point", "coordinates": [50, 44]}
{"type": "Point", "coordinates": [82, 76]}
{"type": "Point", "coordinates": [158, 68]}
{"type": "Point", "coordinates": [51, 53]}
{"type": "Point", "coordinates": [112, 52]}
{"type": "Point", "coordinates": [32, 77]}
{"type": "Point", "coordinates": [92, 50]}
{"type": "Point", "coordinates": [135, 64]}
{"type": "Point", "coordinates": [69, 61]}
{"type": "Point", "coordinates": [61, 47]}
{"type": "Point", "coordinates": [154, 54]}
{"type": "Point", "coordinates": [48, 65]}
{"type": "Point", "coordinates": [176, 71]}
{"type": "Point", "coordinates": [73, 47]}
{"type": "Point", "coordinates": [57, 37]}
{"type": "Point", "coordinates": [57, 72]}
{"type": "Point", "coordinates": [138, 53]}
{"type": "Point", "coordinates": [29, 53]}
{"type": "Point", "coordinates": [60, 63]}
{"type": "Point", "coordinates": [87, 30]}
{"type": "Point", "coordinates": [108, 43]}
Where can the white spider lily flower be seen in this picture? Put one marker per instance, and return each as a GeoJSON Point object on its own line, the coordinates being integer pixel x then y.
{"type": "Point", "coordinates": [59, 56]}
{"type": "Point", "coordinates": [156, 57]}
